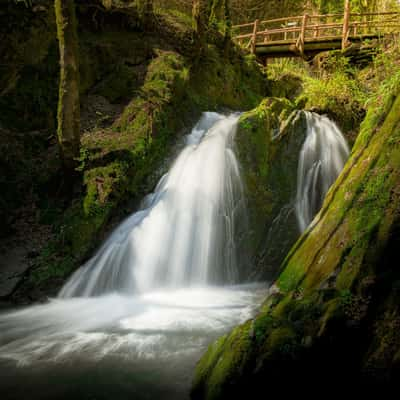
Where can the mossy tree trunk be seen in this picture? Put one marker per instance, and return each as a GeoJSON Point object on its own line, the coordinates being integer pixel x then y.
{"type": "Point", "coordinates": [220, 20]}
{"type": "Point", "coordinates": [68, 102]}
{"type": "Point", "coordinates": [210, 18]}
{"type": "Point", "coordinates": [146, 11]}
{"type": "Point", "coordinates": [220, 15]}
{"type": "Point", "coordinates": [200, 13]}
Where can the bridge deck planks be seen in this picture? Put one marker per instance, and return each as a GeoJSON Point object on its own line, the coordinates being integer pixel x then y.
{"type": "Point", "coordinates": [287, 48]}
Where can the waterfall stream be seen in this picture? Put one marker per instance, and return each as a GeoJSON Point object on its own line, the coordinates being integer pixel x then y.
{"type": "Point", "coordinates": [321, 160]}
{"type": "Point", "coordinates": [185, 233]}
{"type": "Point", "coordinates": [139, 314]}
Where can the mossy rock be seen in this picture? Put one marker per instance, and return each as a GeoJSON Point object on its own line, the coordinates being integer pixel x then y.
{"type": "Point", "coordinates": [289, 86]}
{"type": "Point", "coordinates": [269, 140]}
{"type": "Point", "coordinates": [337, 312]}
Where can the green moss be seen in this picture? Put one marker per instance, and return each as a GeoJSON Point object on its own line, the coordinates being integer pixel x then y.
{"type": "Point", "coordinates": [283, 341]}
{"type": "Point", "coordinates": [27, 98]}
{"type": "Point", "coordinates": [333, 310]}
{"type": "Point", "coordinates": [372, 195]}
{"type": "Point", "coordinates": [223, 362]}
{"type": "Point", "coordinates": [267, 147]}
{"type": "Point", "coordinates": [289, 279]}
{"type": "Point", "coordinates": [386, 342]}
{"type": "Point", "coordinates": [281, 308]}
{"type": "Point", "coordinates": [287, 85]}
{"type": "Point", "coordinates": [235, 83]}
{"type": "Point", "coordinates": [338, 90]}
{"type": "Point", "coordinates": [210, 358]}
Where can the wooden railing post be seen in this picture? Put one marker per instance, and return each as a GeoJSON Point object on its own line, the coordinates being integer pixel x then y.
{"type": "Point", "coordinates": [254, 37]}
{"type": "Point", "coordinates": [303, 27]}
{"type": "Point", "coordinates": [346, 25]}
{"type": "Point", "coordinates": [266, 36]}
{"type": "Point", "coordinates": [365, 27]}
{"type": "Point", "coordinates": [316, 30]}
{"type": "Point", "coordinates": [285, 26]}
{"type": "Point", "coordinates": [301, 39]}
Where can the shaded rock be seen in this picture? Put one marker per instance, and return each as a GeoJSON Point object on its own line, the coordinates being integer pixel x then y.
{"type": "Point", "coordinates": [269, 140]}
{"type": "Point", "coordinates": [13, 264]}
{"type": "Point", "coordinates": [288, 86]}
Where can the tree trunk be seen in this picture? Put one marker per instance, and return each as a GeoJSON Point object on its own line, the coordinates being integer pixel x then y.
{"type": "Point", "coordinates": [219, 13]}
{"type": "Point", "coordinates": [200, 15]}
{"type": "Point", "coordinates": [68, 101]}
{"type": "Point", "coordinates": [146, 11]}
{"type": "Point", "coordinates": [212, 18]}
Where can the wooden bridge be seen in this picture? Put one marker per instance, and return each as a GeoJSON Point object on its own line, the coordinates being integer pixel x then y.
{"type": "Point", "coordinates": [307, 35]}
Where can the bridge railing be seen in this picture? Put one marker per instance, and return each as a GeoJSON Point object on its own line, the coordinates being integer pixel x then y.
{"type": "Point", "coordinates": [299, 29]}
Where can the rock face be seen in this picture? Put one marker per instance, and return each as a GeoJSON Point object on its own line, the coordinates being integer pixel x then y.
{"type": "Point", "coordinates": [333, 315]}
{"type": "Point", "coordinates": [269, 140]}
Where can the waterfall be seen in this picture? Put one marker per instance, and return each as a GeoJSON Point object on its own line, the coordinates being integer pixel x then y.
{"type": "Point", "coordinates": [184, 234]}
{"type": "Point", "coordinates": [141, 312]}
{"type": "Point", "coordinates": [322, 158]}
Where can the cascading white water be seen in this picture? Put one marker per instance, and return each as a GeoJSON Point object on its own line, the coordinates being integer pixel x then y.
{"type": "Point", "coordinates": [185, 233]}
{"type": "Point", "coordinates": [143, 342]}
{"type": "Point", "coordinates": [322, 158]}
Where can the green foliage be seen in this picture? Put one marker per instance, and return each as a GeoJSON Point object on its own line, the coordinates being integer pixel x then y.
{"type": "Point", "coordinates": [339, 91]}
{"type": "Point", "coordinates": [332, 92]}
{"type": "Point", "coordinates": [281, 67]}
{"type": "Point", "coordinates": [336, 86]}
{"type": "Point", "coordinates": [384, 80]}
{"type": "Point", "coordinates": [29, 70]}
{"type": "Point", "coordinates": [27, 3]}
{"type": "Point", "coordinates": [357, 6]}
{"type": "Point", "coordinates": [82, 159]}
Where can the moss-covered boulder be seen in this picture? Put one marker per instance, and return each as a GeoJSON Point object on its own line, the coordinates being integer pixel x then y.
{"type": "Point", "coordinates": [269, 140]}
{"type": "Point", "coordinates": [289, 86]}
{"type": "Point", "coordinates": [334, 312]}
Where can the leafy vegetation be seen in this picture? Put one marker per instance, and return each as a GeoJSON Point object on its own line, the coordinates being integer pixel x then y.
{"type": "Point", "coordinates": [336, 86]}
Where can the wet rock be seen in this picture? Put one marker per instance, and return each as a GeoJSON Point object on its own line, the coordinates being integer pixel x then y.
{"type": "Point", "coordinates": [13, 264]}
